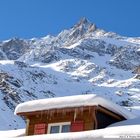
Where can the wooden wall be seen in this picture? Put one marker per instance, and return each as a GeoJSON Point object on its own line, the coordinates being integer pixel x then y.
{"type": "Point", "coordinates": [93, 117]}
{"type": "Point", "coordinates": [84, 114]}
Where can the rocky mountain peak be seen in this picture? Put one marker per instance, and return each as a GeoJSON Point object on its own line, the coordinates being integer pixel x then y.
{"type": "Point", "coordinates": [85, 25]}
{"type": "Point", "coordinates": [84, 20]}
{"type": "Point", "coordinates": [14, 48]}
{"type": "Point", "coordinates": [82, 28]}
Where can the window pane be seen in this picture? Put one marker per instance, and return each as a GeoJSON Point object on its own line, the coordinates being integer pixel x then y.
{"type": "Point", "coordinates": [65, 128]}
{"type": "Point", "coordinates": [54, 129]}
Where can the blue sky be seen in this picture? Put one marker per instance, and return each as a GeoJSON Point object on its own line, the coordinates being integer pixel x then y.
{"type": "Point", "coordinates": [37, 18]}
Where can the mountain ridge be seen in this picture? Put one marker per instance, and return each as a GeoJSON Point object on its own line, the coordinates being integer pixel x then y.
{"type": "Point", "coordinates": [84, 59]}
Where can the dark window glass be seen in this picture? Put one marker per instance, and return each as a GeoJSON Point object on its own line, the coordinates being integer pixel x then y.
{"type": "Point", "coordinates": [65, 128]}
{"type": "Point", "coordinates": [54, 129]}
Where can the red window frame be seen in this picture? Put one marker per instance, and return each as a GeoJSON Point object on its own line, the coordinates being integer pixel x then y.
{"type": "Point", "coordinates": [77, 126]}
{"type": "Point", "coordinates": [40, 129]}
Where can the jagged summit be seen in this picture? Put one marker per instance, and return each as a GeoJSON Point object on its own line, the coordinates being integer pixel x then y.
{"type": "Point", "coordinates": [84, 25]}
{"type": "Point", "coordinates": [78, 31]}
{"type": "Point", "coordinates": [84, 21]}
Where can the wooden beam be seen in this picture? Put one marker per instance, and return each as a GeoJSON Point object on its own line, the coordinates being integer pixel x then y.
{"type": "Point", "coordinates": [52, 110]}
{"type": "Point", "coordinates": [113, 114]}
{"type": "Point", "coordinates": [27, 126]}
{"type": "Point", "coordinates": [95, 119]}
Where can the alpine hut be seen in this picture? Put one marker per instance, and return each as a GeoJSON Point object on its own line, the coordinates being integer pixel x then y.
{"type": "Point", "coordinates": [70, 114]}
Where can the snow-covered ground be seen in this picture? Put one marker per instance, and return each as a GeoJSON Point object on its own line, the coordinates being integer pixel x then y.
{"type": "Point", "coordinates": [12, 133]}
{"type": "Point", "coordinates": [120, 132]}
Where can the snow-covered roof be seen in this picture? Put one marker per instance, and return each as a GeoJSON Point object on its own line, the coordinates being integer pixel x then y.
{"type": "Point", "coordinates": [71, 101]}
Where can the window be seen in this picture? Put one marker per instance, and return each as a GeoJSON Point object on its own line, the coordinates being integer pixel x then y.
{"type": "Point", "coordinates": [65, 128]}
{"type": "Point", "coordinates": [59, 127]}
{"type": "Point", "coordinates": [54, 129]}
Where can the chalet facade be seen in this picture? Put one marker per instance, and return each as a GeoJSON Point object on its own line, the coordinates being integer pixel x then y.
{"type": "Point", "coordinates": [70, 114]}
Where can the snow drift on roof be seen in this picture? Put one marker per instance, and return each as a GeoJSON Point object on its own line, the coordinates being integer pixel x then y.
{"type": "Point", "coordinates": [71, 101]}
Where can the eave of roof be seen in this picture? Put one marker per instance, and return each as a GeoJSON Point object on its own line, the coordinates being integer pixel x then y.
{"type": "Point", "coordinates": [71, 101]}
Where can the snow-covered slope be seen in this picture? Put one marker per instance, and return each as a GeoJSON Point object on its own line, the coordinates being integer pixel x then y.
{"type": "Point", "coordinates": [81, 60]}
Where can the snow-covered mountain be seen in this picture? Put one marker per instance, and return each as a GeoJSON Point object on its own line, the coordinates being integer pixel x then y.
{"type": "Point", "coordinates": [83, 59]}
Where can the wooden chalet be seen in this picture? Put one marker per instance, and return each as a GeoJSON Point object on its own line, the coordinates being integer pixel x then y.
{"type": "Point", "coordinates": [70, 114]}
